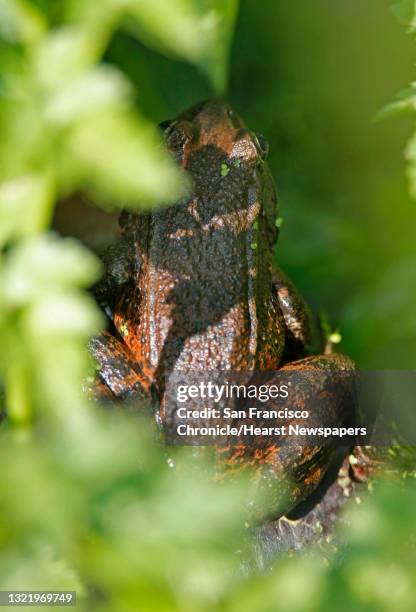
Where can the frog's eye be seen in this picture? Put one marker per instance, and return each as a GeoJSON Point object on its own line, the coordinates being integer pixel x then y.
{"type": "Point", "coordinates": [261, 144]}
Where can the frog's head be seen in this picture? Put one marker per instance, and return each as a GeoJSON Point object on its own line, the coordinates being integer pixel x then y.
{"type": "Point", "coordinates": [225, 162]}
{"type": "Point", "coordinates": [214, 123]}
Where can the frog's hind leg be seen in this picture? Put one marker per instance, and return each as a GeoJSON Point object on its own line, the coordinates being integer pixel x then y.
{"type": "Point", "coordinates": [325, 389]}
{"type": "Point", "coordinates": [312, 521]}
{"type": "Point", "coordinates": [302, 337]}
{"type": "Point", "coordinates": [119, 377]}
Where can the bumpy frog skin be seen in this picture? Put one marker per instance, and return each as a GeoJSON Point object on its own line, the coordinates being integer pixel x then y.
{"type": "Point", "coordinates": [193, 287]}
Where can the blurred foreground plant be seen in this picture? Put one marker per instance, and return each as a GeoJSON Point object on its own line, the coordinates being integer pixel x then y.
{"type": "Point", "coordinates": [69, 122]}
{"type": "Point", "coordinates": [101, 512]}
{"type": "Point", "coordinates": [405, 11]}
{"type": "Point", "coordinates": [87, 499]}
{"type": "Point", "coordinates": [106, 516]}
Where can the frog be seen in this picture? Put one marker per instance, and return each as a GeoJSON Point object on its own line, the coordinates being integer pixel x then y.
{"type": "Point", "coordinates": [194, 287]}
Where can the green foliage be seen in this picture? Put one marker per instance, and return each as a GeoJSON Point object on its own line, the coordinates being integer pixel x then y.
{"type": "Point", "coordinates": [405, 102]}
{"type": "Point", "coordinates": [405, 11]}
{"type": "Point", "coordinates": [69, 122]}
{"type": "Point", "coordinates": [88, 501]}
{"type": "Point", "coordinates": [45, 321]}
{"type": "Point", "coordinates": [87, 498]}
{"type": "Point", "coordinates": [377, 571]}
{"type": "Point", "coordinates": [100, 511]}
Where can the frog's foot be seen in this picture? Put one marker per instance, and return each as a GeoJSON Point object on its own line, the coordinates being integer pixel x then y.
{"type": "Point", "coordinates": [119, 377]}
{"type": "Point", "coordinates": [312, 521]}
{"type": "Point", "coordinates": [326, 483]}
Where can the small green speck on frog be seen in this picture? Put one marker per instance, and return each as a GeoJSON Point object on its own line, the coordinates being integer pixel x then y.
{"type": "Point", "coordinates": [224, 170]}
{"type": "Point", "coordinates": [124, 329]}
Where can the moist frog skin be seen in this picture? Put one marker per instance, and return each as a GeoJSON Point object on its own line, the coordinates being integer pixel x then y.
{"type": "Point", "coordinates": [193, 288]}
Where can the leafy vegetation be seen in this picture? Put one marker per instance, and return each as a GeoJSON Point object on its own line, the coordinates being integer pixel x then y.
{"type": "Point", "coordinates": [87, 498]}
{"type": "Point", "coordinates": [69, 124]}
{"type": "Point", "coordinates": [405, 11]}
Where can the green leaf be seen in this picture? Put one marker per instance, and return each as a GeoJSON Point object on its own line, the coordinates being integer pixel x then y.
{"type": "Point", "coordinates": [20, 22]}
{"type": "Point", "coordinates": [410, 155]}
{"type": "Point", "coordinates": [100, 88]}
{"type": "Point", "coordinates": [405, 102]}
{"type": "Point", "coordinates": [18, 385]}
{"type": "Point", "coordinates": [46, 264]}
{"type": "Point", "coordinates": [177, 27]}
{"type": "Point", "coordinates": [198, 31]}
{"type": "Point", "coordinates": [405, 12]}
{"type": "Point", "coordinates": [119, 159]}
{"type": "Point", "coordinates": [26, 204]}
{"type": "Point", "coordinates": [62, 314]}
{"type": "Point", "coordinates": [64, 54]}
{"type": "Point", "coordinates": [394, 109]}
{"type": "Point", "coordinates": [216, 62]}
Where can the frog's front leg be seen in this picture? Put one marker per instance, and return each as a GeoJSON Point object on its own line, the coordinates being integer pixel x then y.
{"type": "Point", "coordinates": [301, 334]}
{"type": "Point", "coordinates": [119, 376]}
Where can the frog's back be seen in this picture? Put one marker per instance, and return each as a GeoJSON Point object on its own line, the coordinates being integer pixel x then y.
{"type": "Point", "coordinates": [205, 264]}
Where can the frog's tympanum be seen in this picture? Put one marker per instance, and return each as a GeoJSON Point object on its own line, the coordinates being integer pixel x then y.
{"type": "Point", "coordinates": [193, 287]}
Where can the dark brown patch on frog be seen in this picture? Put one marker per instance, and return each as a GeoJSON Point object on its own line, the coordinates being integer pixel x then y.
{"type": "Point", "coordinates": [194, 315]}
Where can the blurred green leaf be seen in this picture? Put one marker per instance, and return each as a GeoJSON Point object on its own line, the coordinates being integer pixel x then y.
{"type": "Point", "coordinates": [405, 103]}
{"type": "Point", "coordinates": [76, 123]}
{"type": "Point", "coordinates": [198, 31]}
{"type": "Point", "coordinates": [411, 159]}
{"type": "Point", "coordinates": [60, 315]}
{"type": "Point", "coordinates": [26, 205]}
{"type": "Point", "coordinates": [181, 27]}
{"type": "Point", "coordinates": [100, 88]}
{"type": "Point", "coordinates": [405, 12]}
{"type": "Point", "coordinates": [63, 55]}
{"type": "Point", "coordinates": [45, 322]}
{"type": "Point", "coordinates": [117, 158]}
{"type": "Point", "coordinates": [69, 122]}
{"type": "Point", "coordinates": [44, 265]}
{"type": "Point", "coordinates": [20, 21]}
{"type": "Point", "coordinates": [216, 61]}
